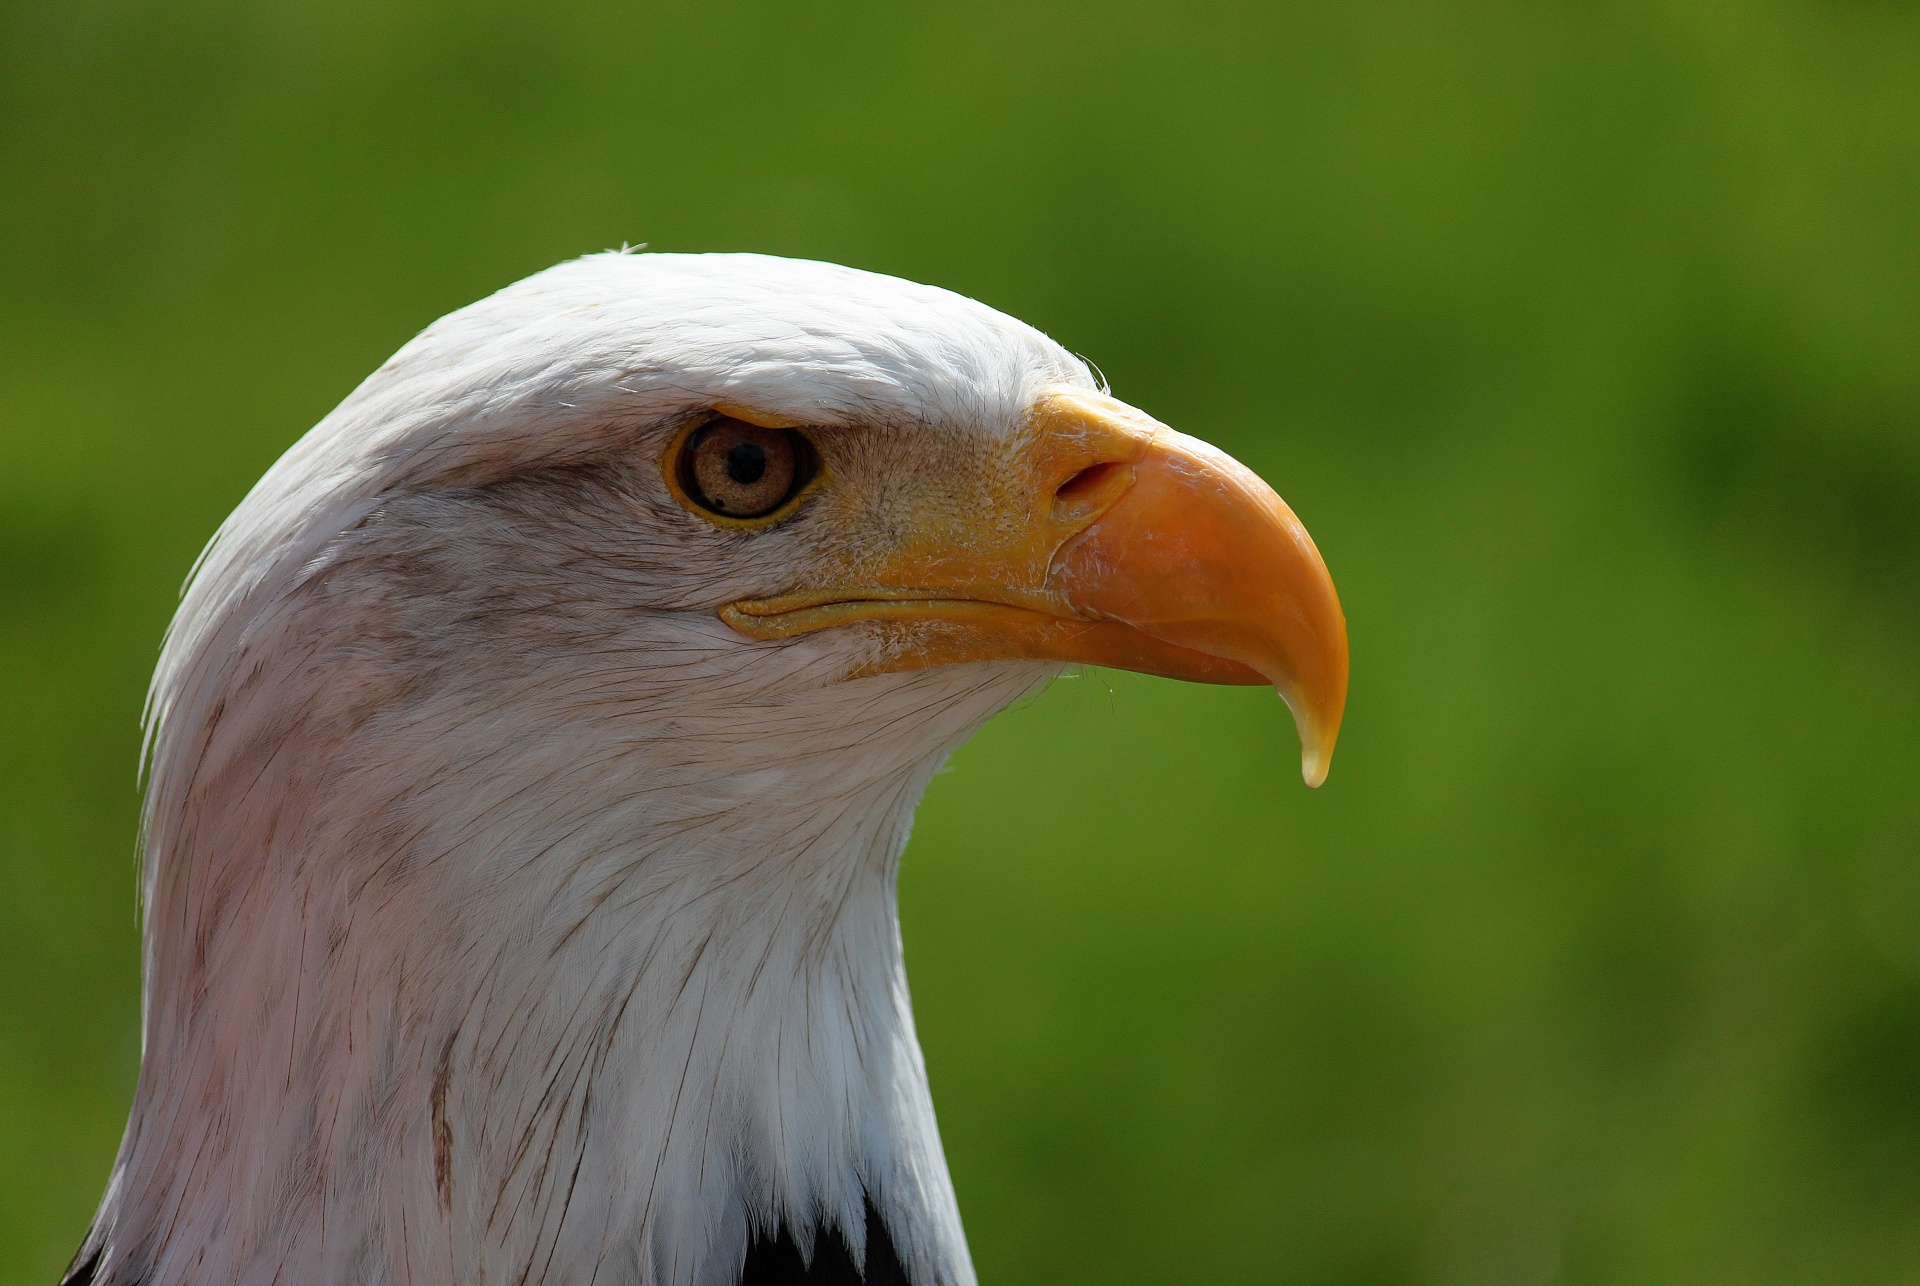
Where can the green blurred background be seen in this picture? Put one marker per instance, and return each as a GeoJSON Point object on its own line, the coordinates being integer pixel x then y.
{"type": "Point", "coordinates": [1583, 336]}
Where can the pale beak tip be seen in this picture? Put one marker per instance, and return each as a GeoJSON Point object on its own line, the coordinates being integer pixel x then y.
{"type": "Point", "coordinates": [1316, 740]}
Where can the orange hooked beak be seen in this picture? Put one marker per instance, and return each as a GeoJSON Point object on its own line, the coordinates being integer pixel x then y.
{"type": "Point", "coordinates": [1106, 539]}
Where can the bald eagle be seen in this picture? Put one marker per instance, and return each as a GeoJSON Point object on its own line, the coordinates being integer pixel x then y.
{"type": "Point", "coordinates": [533, 749]}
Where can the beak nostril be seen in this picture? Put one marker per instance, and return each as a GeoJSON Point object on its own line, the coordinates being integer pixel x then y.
{"type": "Point", "coordinates": [1088, 492]}
{"type": "Point", "coordinates": [1085, 481]}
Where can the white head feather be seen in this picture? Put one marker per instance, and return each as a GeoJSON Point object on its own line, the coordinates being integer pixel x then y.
{"type": "Point", "coordinates": [509, 918]}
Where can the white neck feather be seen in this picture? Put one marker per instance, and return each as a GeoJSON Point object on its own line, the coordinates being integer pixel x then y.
{"type": "Point", "coordinates": [510, 920]}
{"type": "Point", "coordinates": [512, 962]}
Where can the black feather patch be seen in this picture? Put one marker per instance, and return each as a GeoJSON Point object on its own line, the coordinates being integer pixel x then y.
{"type": "Point", "coordinates": [776, 1261]}
{"type": "Point", "coordinates": [83, 1271]}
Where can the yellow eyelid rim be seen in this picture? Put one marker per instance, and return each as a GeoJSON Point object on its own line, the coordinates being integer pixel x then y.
{"type": "Point", "coordinates": [758, 418]}
{"type": "Point", "coordinates": [670, 468]}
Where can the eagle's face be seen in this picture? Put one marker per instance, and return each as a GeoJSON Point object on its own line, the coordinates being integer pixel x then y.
{"type": "Point", "coordinates": [1084, 532]}
{"type": "Point", "coordinates": [534, 746]}
{"type": "Point", "coordinates": [853, 475]}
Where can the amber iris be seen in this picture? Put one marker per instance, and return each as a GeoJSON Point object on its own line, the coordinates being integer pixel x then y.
{"type": "Point", "coordinates": [740, 470]}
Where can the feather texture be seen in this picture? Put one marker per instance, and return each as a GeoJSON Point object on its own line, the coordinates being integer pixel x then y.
{"type": "Point", "coordinates": [508, 919]}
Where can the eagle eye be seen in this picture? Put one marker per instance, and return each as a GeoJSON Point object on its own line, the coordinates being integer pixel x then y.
{"type": "Point", "coordinates": [737, 470]}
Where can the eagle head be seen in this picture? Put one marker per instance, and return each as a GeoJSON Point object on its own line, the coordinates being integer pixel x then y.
{"type": "Point", "coordinates": [533, 749]}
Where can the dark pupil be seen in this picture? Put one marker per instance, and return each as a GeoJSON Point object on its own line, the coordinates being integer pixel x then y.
{"type": "Point", "coordinates": [746, 462]}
